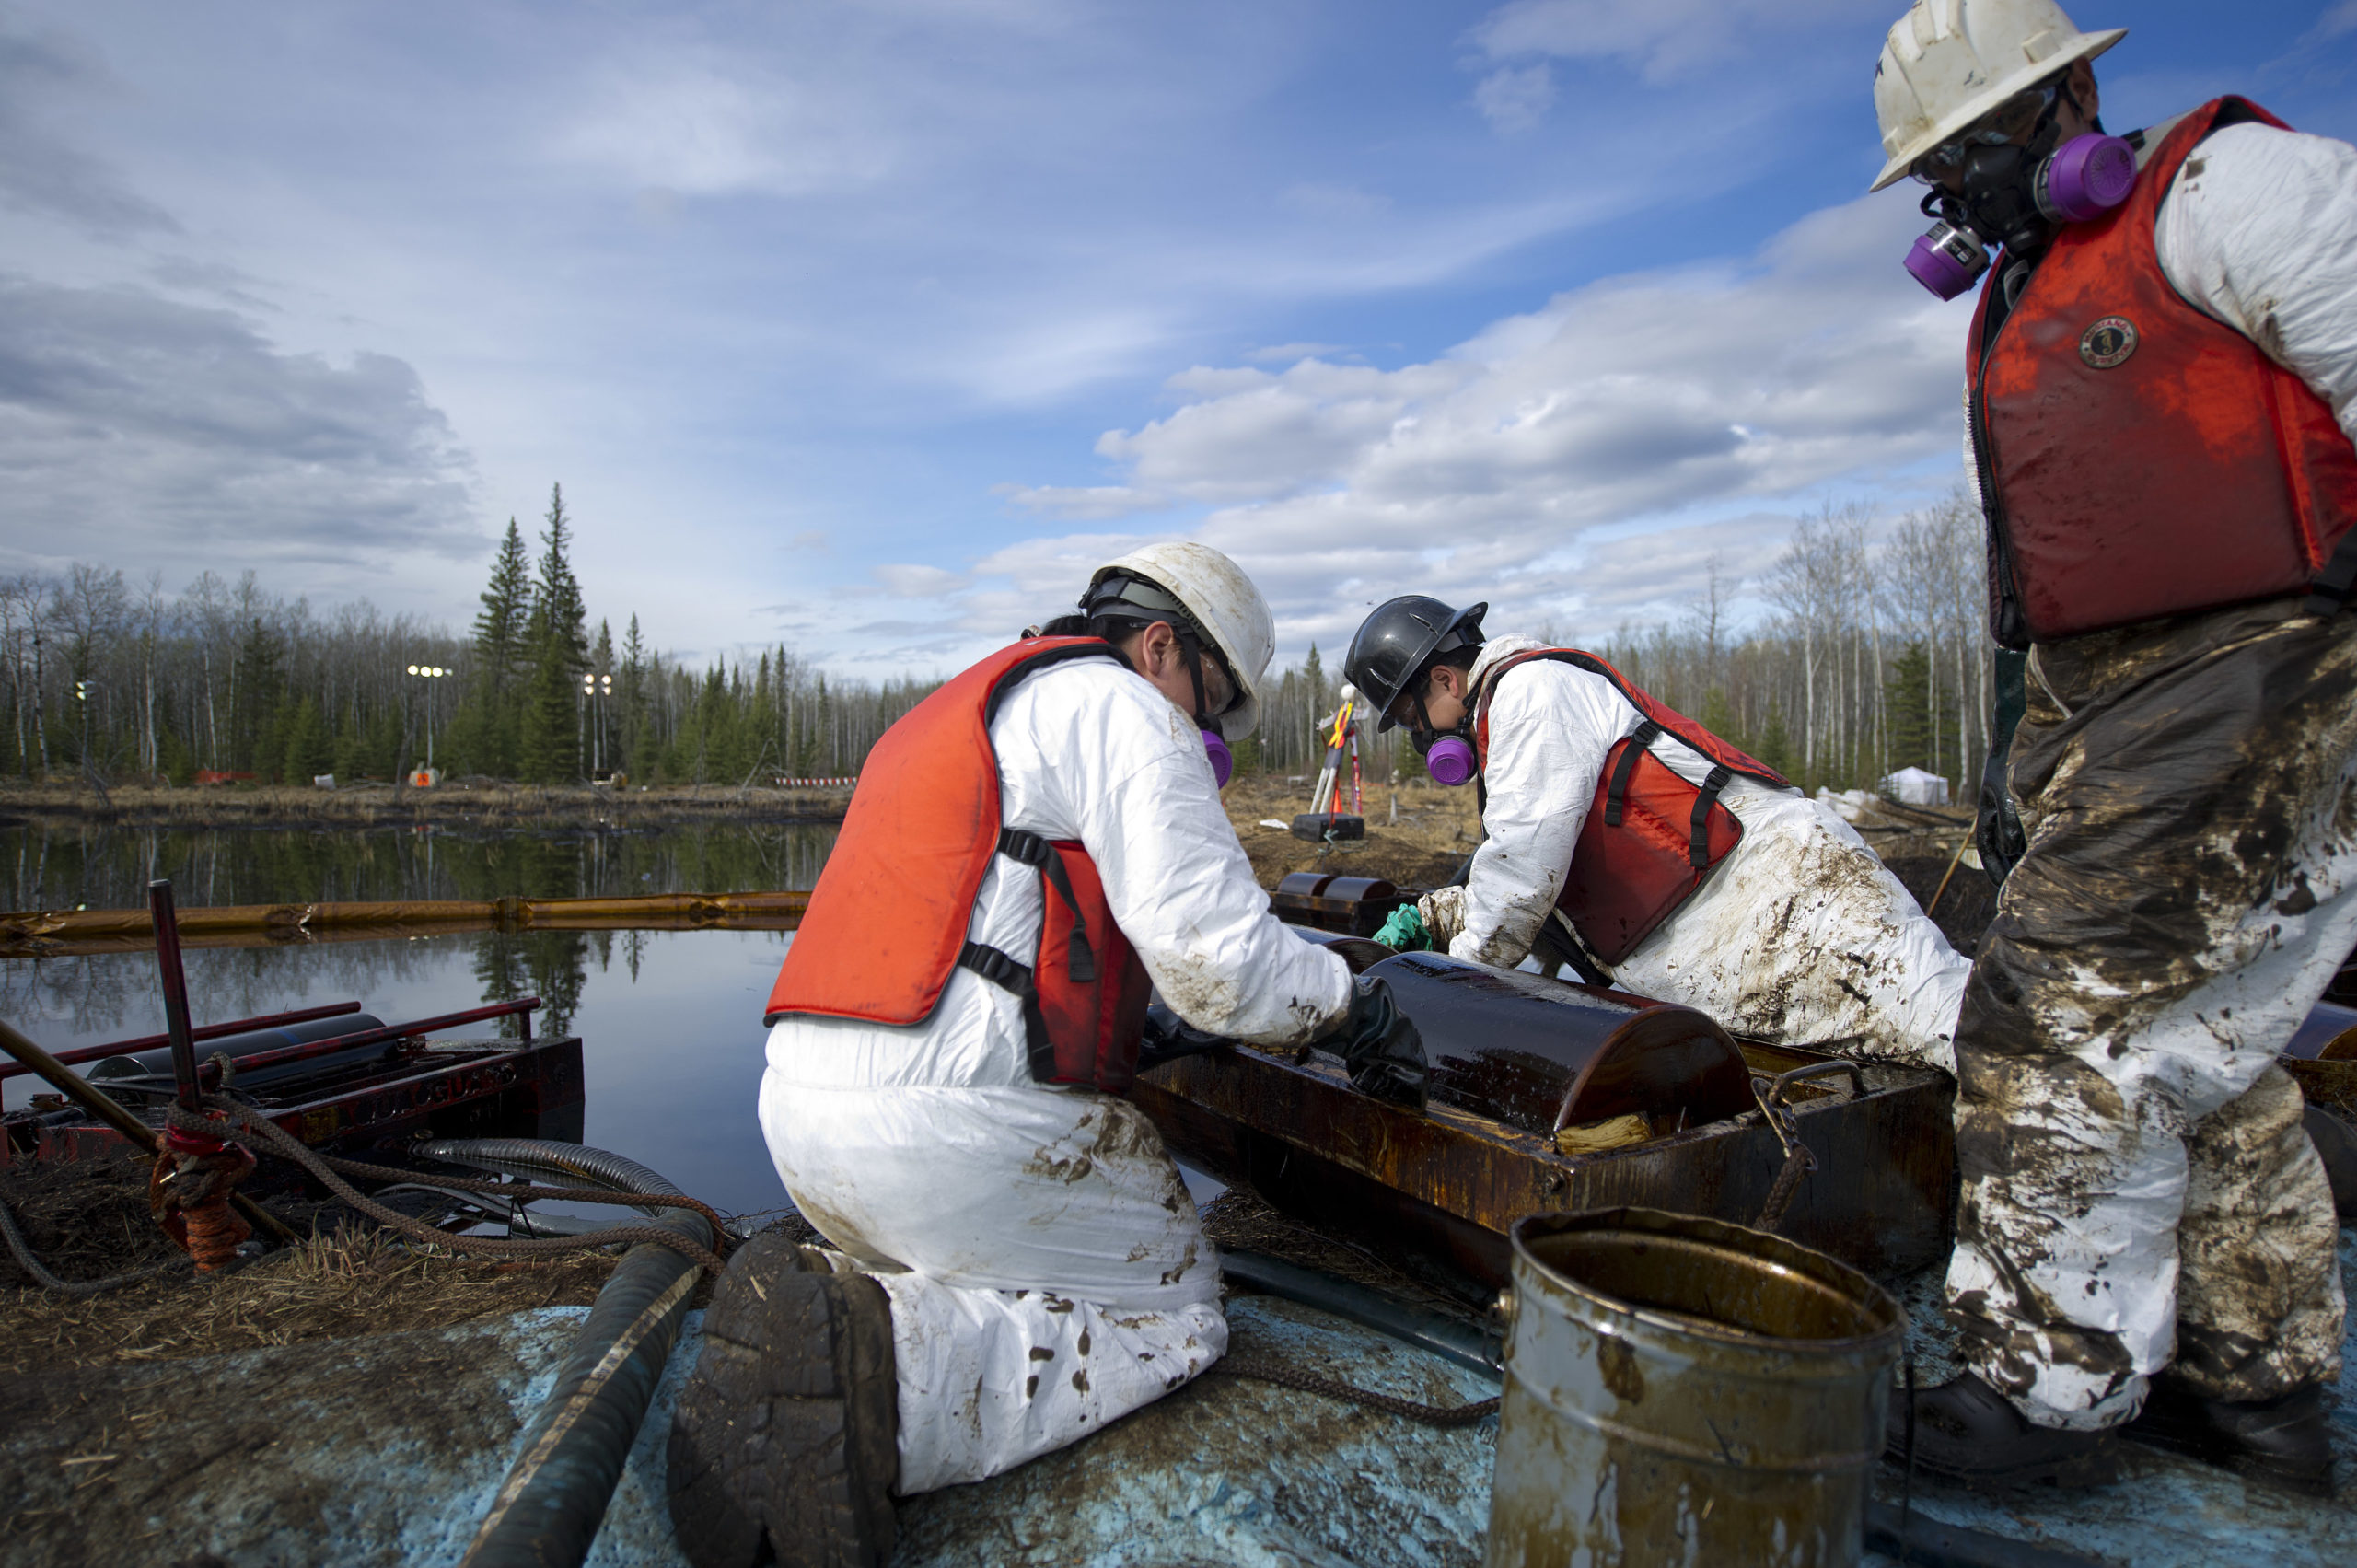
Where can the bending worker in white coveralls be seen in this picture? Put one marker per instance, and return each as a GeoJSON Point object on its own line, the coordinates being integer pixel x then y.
{"type": "Point", "coordinates": [1019, 1262]}
{"type": "Point", "coordinates": [1629, 840]}
{"type": "Point", "coordinates": [2162, 372]}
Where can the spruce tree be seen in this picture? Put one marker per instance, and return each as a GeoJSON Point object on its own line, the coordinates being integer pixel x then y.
{"type": "Point", "coordinates": [486, 730]}
{"type": "Point", "coordinates": [560, 652]}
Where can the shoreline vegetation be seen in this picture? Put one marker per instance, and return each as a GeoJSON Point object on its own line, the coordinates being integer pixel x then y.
{"type": "Point", "coordinates": [485, 805]}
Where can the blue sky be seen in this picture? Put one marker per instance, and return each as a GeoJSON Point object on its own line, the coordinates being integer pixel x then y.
{"type": "Point", "coordinates": [870, 327]}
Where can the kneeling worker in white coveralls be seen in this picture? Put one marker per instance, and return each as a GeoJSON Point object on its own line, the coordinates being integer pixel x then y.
{"type": "Point", "coordinates": [1020, 1262]}
{"type": "Point", "coordinates": [1629, 840]}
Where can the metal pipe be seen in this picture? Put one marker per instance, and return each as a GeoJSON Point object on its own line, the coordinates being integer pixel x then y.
{"type": "Point", "coordinates": [522, 1006]}
{"type": "Point", "coordinates": [99, 1103]}
{"type": "Point", "coordinates": [80, 1054]}
{"type": "Point", "coordinates": [24, 925]}
{"type": "Point", "coordinates": [167, 964]}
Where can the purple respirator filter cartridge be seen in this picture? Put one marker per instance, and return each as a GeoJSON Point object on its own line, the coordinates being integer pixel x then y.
{"type": "Point", "coordinates": [2086, 178]}
{"type": "Point", "coordinates": [1946, 261]}
{"type": "Point", "coordinates": [1223, 760]}
{"type": "Point", "coordinates": [1451, 761]}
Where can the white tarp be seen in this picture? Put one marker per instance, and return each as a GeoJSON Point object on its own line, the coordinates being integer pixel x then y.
{"type": "Point", "coordinates": [1913, 786]}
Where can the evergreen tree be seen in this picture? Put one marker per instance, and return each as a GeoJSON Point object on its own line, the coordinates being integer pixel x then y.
{"type": "Point", "coordinates": [1909, 698]}
{"type": "Point", "coordinates": [1775, 744]}
{"type": "Point", "coordinates": [560, 652]}
{"type": "Point", "coordinates": [483, 733]}
{"type": "Point", "coordinates": [257, 745]}
{"type": "Point", "coordinates": [630, 703]}
{"type": "Point", "coordinates": [558, 593]}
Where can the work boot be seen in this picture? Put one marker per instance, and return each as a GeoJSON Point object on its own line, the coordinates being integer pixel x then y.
{"type": "Point", "coordinates": [2285, 1440]}
{"type": "Point", "coordinates": [786, 1443]}
{"type": "Point", "coordinates": [1969, 1435]}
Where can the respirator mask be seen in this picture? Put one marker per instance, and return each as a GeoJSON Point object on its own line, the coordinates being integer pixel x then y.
{"type": "Point", "coordinates": [1447, 754]}
{"type": "Point", "coordinates": [1990, 189]}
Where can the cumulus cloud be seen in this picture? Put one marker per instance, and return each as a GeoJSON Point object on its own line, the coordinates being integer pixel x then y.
{"type": "Point", "coordinates": [179, 437]}
{"type": "Point", "coordinates": [1574, 464]}
{"type": "Point", "coordinates": [1661, 37]}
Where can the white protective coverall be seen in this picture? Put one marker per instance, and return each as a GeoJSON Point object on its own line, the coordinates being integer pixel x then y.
{"type": "Point", "coordinates": [2138, 1193]}
{"type": "Point", "coordinates": [1800, 936]}
{"type": "Point", "coordinates": [1046, 1266]}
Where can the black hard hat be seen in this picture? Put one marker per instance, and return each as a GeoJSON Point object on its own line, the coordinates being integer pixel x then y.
{"type": "Point", "coordinates": [1392, 644]}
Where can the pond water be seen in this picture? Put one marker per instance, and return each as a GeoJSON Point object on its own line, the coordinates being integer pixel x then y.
{"type": "Point", "coordinates": [670, 1020]}
{"type": "Point", "coordinates": [109, 868]}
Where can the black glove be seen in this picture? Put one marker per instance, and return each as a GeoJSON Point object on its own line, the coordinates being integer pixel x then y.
{"type": "Point", "coordinates": [1380, 1046]}
{"type": "Point", "coordinates": [1167, 1036]}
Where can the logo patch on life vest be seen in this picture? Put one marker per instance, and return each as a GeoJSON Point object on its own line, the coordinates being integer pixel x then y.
{"type": "Point", "coordinates": [2107, 342]}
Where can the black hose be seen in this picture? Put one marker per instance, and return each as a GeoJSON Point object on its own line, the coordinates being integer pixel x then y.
{"type": "Point", "coordinates": [1458, 1341]}
{"type": "Point", "coordinates": [526, 1157]}
{"type": "Point", "coordinates": [549, 1508]}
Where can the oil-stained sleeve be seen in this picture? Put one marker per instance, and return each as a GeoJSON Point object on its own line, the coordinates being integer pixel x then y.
{"type": "Point", "coordinates": [1127, 770]}
{"type": "Point", "coordinates": [2260, 231]}
{"type": "Point", "coordinates": [1551, 726]}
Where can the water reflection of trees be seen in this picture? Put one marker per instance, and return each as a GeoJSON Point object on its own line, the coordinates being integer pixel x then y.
{"type": "Point", "coordinates": [110, 995]}
{"type": "Point", "coordinates": [116, 993]}
{"type": "Point", "coordinates": [99, 866]}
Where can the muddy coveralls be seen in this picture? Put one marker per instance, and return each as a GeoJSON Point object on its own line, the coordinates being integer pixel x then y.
{"type": "Point", "coordinates": [1799, 935]}
{"type": "Point", "coordinates": [1047, 1269]}
{"type": "Point", "coordinates": [2138, 1191]}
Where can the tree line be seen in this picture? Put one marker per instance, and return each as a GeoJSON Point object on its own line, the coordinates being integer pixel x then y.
{"type": "Point", "coordinates": [115, 682]}
{"type": "Point", "coordinates": [1873, 657]}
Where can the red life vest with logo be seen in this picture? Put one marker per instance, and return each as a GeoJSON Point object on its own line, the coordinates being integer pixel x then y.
{"type": "Point", "coordinates": [1652, 836]}
{"type": "Point", "coordinates": [2141, 459]}
{"type": "Point", "coordinates": [887, 925]}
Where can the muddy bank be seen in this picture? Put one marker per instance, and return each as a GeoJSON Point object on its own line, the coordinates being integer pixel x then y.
{"type": "Point", "coordinates": [479, 804]}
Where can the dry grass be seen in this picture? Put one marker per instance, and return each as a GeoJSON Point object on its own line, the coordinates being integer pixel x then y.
{"type": "Point", "coordinates": [329, 1287]}
{"type": "Point", "coordinates": [1432, 833]}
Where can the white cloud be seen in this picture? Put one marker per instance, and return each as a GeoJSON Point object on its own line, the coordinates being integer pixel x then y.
{"type": "Point", "coordinates": [1083, 504]}
{"type": "Point", "coordinates": [1515, 99]}
{"type": "Point", "coordinates": [905, 581]}
{"type": "Point", "coordinates": [1662, 38]}
{"type": "Point", "coordinates": [1690, 402]}
{"type": "Point", "coordinates": [702, 128]}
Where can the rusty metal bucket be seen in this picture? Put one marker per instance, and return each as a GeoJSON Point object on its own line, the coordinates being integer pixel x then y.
{"type": "Point", "coordinates": [1679, 1389]}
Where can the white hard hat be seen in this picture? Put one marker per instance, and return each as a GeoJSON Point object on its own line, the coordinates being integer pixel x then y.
{"type": "Point", "coordinates": [1224, 605]}
{"type": "Point", "coordinates": [1947, 63]}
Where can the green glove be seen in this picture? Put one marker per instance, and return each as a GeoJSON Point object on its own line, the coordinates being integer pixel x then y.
{"type": "Point", "coordinates": [1405, 932]}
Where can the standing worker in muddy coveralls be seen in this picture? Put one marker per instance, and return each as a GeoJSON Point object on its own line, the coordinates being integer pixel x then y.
{"type": "Point", "coordinates": [1650, 853]}
{"type": "Point", "coordinates": [2161, 372]}
{"type": "Point", "coordinates": [1019, 1262]}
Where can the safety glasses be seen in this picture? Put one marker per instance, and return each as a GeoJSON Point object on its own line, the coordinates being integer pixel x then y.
{"type": "Point", "coordinates": [2009, 122]}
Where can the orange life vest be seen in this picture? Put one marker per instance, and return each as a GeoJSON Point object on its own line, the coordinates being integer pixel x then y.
{"type": "Point", "coordinates": [1652, 836]}
{"type": "Point", "coordinates": [2139, 457]}
{"type": "Point", "coordinates": [886, 924]}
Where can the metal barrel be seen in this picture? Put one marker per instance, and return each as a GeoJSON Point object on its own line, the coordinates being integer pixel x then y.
{"type": "Point", "coordinates": [1678, 1389]}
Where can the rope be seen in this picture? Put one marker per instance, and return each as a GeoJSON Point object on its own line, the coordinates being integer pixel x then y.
{"type": "Point", "coordinates": [1310, 1383]}
{"type": "Point", "coordinates": [47, 1281]}
{"type": "Point", "coordinates": [255, 1131]}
